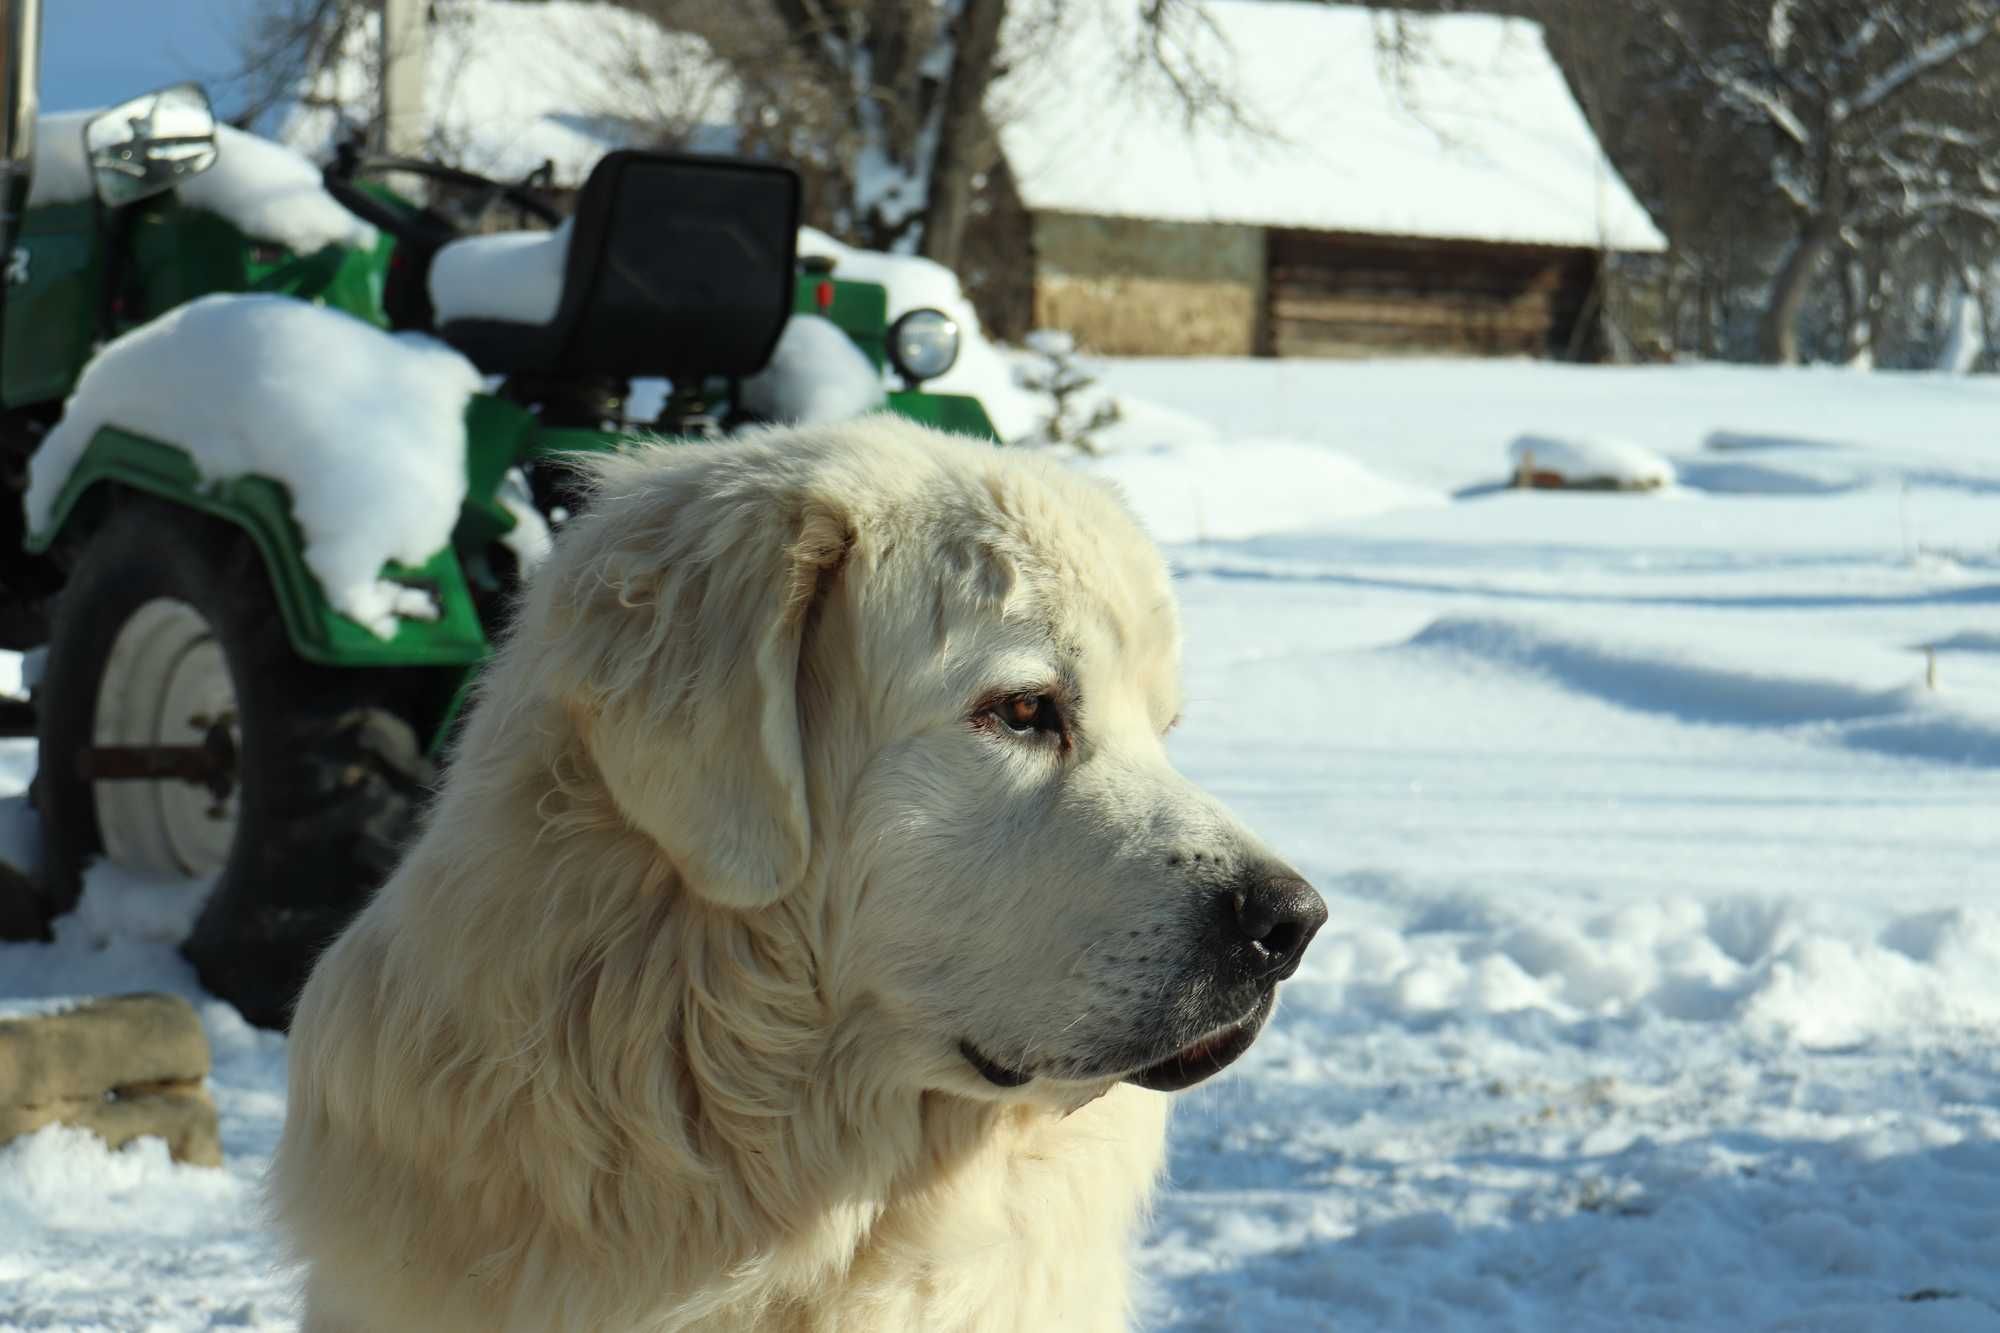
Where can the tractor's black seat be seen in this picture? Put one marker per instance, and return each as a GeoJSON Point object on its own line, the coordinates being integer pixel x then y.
{"type": "Point", "coordinates": [676, 265]}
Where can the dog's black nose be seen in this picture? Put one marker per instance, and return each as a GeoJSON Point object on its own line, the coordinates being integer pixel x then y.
{"type": "Point", "coordinates": [1279, 915]}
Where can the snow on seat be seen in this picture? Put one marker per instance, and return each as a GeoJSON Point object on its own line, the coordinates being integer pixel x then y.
{"type": "Point", "coordinates": [680, 264]}
{"type": "Point", "coordinates": [512, 276]}
{"type": "Point", "coordinates": [264, 189]}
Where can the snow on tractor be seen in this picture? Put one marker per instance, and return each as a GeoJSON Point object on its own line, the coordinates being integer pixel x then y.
{"type": "Point", "coordinates": [285, 442]}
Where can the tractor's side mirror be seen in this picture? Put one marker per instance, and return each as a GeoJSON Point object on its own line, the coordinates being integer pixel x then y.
{"type": "Point", "coordinates": [151, 143]}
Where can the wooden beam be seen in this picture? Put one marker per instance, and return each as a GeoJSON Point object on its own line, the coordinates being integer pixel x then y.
{"type": "Point", "coordinates": [97, 1048]}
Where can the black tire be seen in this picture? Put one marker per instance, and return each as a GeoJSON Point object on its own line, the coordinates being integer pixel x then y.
{"type": "Point", "coordinates": [20, 906]}
{"type": "Point", "coordinates": [28, 582]}
{"type": "Point", "coordinates": [331, 776]}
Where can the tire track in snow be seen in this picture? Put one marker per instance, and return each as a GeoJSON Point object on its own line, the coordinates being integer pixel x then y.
{"type": "Point", "coordinates": [1906, 723]}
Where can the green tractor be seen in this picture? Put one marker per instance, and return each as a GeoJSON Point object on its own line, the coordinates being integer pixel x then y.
{"type": "Point", "coordinates": [208, 708]}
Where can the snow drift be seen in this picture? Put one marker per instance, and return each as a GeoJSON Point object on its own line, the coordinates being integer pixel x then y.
{"type": "Point", "coordinates": [1214, 491]}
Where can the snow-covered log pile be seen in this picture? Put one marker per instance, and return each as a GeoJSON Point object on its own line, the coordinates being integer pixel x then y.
{"type": "Point", "coordinates": [1586, 463]}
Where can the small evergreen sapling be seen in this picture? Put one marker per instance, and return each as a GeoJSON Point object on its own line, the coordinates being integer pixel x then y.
{"type": "Point", "coordinates": [1059, 376]}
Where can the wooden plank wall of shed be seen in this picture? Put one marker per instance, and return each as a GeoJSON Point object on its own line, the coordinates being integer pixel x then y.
{"type": "Point", "coordinates": [1334, 294]}
{"type": "Point", "coordinates": [1138, 287]}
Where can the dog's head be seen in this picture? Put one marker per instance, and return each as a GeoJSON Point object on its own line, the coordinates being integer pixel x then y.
{"type": "Point", "coordinates": [913, 692]}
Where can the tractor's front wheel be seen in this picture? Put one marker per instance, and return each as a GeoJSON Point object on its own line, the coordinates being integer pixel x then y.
{"type": "Point", "coordinates": [181, 738]}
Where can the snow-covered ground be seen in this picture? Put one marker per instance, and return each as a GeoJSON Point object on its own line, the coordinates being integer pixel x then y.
{"type": "Point", "coordinates": [1662, 986]}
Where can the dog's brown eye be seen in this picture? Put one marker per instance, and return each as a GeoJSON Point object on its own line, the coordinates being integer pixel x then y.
{"type": "Point", "coordinates": [1027, 714]}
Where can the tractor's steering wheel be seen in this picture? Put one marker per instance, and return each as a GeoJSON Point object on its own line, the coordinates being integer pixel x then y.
{"type": "Point", "coordinates": [418, 231]}
{"type": "Point", "coordinates": [421, 227]}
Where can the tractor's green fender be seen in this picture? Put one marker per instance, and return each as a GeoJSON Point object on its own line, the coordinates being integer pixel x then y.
{"type": "Point", "coordinates": [262, 508]}
{"type": "Point", "coordinates": [959, 413]}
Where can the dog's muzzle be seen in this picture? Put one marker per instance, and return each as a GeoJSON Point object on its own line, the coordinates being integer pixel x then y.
{"type": "Point", "coordinates": [1255, 937]}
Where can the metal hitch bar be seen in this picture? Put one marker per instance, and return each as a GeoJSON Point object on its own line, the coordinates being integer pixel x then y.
{"type": "Point", "coordinates": [209, 763]}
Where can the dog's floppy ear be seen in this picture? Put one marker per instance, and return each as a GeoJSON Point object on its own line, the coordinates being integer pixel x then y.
{"type": "Point", "coordinates": [691, 711]}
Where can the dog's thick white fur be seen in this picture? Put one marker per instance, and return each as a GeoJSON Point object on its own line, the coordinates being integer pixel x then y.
{"type": "Point", "coordinates": [808, 884]}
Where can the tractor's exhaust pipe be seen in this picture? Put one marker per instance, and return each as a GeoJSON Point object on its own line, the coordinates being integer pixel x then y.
{"type": "Point", "coordinates": [20, 69]}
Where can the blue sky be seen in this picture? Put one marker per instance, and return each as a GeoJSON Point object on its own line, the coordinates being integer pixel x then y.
{"type": "Point", "coordinates": [95, 52]}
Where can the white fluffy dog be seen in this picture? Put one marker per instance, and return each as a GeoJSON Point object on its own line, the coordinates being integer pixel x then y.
{"type": "Point", "coordinates": [808, 929]}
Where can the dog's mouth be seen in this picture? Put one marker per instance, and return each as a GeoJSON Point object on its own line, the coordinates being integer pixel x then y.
{"type": "Point", "coordinates": [1209, 1056]}
{"type": "Point", "coordinates": [1183, 1069]}
{"type": "Point", "coordinates": [999, 1075]}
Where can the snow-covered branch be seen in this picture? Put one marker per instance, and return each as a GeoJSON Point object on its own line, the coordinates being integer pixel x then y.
{"type": "Point", "coordinates": [1772, 104]}
{"type": "Point", "coordinates": [1932, 54]}
{"type": "Point", "coordinates": [1738, 87]}
{"type": "Point", "coordinates": [1983, 208]}
{"type": "Point", "coordinates": [1858, 41]}
{"type": "Point", "coordinates": [1933, 132]}
{"type": "Point", "coordinates": [1778, 27]}
{"type": "Point", "coordinates": [1785, 175]}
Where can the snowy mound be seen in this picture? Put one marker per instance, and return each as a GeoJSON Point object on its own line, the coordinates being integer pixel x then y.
{"type": "Point", "coordinates": [366, 429]}
{"type": "Point", "coordinates": [267, 191]}
{"type": "Point", "coordinates": [915, 283]}
{"type": "Point", "coordinates": [1438, 421]}
{"type": "Point", "coordinates": [1728, 687]}
{"type": "Point", "coordinates": [1210, 491]}
{"type": "Point", "coordinates": [1592, 462]}
{"type": "Point", "coordinates": [816, 374]}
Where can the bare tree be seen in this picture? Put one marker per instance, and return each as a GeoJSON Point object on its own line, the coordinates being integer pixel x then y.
{"type": "Point", "coordinates": [1816, 163]}
{"type": "Point", "coordinates": [1870, 118]}
{"type": "Point", "coordinates": [899, 90]}
{"type": "Point", "coordinates": [292, 40]}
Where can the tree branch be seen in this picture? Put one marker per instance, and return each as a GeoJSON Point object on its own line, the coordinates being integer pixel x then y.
{"type": "Point", "coordinates": [1744, 92]}
{"type": "Point", "coordinates": [1906, 72]}
{"type": "Point", "coordinates": [815, 37]}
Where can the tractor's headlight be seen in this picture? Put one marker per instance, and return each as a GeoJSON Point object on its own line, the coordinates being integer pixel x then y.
{"type": "Point", "coordinates": [923, 344]}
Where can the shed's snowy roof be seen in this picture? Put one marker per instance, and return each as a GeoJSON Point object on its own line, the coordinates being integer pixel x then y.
{"type": "Point", "coordinates": [1477, 137]}
{"type": "Point", "coordinates": [510, 85]}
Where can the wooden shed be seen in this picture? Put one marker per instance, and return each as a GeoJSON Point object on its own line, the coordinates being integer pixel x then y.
{"type": "Point", "coordinates": [1341, 294]}
{"type": "Point", "coordinates": [1453, 202]}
